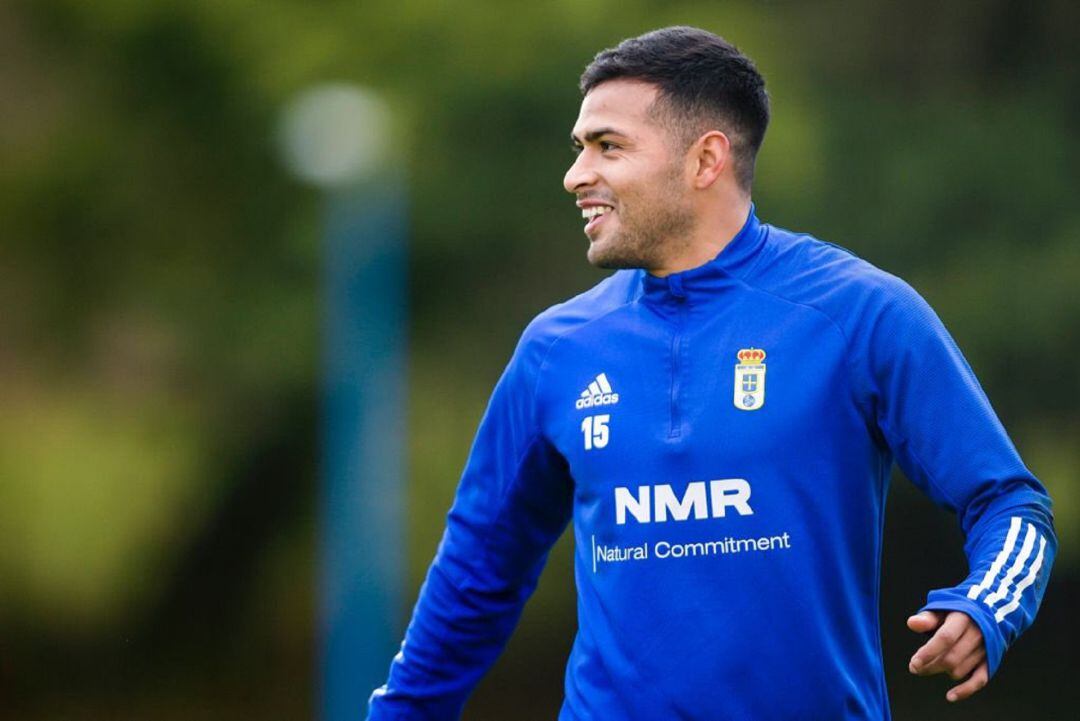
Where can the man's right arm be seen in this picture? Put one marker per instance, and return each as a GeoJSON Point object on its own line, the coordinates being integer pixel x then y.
{"type": "Point", "coordinates": [513, 503]}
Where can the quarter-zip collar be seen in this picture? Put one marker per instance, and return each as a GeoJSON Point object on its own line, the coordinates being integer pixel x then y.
{"type": "Point", "coordinates": [706, 279]}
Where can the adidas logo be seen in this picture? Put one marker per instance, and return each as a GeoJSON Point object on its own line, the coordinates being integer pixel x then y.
{"type": "Point", "coordinates": [597, 394]}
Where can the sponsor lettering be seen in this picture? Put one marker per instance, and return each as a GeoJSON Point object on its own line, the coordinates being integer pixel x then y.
{"type": "Point", "coordinates": [701, 500]}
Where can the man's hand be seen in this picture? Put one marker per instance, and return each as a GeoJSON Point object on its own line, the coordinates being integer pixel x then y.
{"type": "Point", "coordinates": [956, 648]}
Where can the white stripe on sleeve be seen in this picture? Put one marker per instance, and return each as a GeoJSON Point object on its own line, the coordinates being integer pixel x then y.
{"type": "Point", "coordinates": [995, 567]}
{"type": "Point", "coordinates": [1022, 586]}
{"type": "Point", "coordinates": [1014, 571]}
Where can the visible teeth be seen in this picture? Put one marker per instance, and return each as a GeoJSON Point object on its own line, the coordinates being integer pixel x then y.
{"type": "Point", "coordinates": [593, 211]}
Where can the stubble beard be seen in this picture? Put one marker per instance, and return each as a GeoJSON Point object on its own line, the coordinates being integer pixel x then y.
{"type": "Point", "coordinates": [645, 238]}
{"type": "Point", "coordinates": [649, 231]}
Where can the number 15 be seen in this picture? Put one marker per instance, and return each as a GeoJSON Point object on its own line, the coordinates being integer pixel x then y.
{"type": "Point", "coordinates": [595, 430]}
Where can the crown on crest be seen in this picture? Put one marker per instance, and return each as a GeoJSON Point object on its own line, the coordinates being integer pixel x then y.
{"type": "Point", "coordinates": [751, 355]}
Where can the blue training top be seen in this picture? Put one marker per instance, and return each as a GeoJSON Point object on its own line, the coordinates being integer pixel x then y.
{"type": "Point", "coordinates": [722, 439]}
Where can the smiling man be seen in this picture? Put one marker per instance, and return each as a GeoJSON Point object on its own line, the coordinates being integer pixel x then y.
{"type": "Point", "coordinates": [719, 419]}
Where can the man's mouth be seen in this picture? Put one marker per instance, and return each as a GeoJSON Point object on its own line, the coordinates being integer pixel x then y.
{"type": "Point", "coordinates": [594, 216]}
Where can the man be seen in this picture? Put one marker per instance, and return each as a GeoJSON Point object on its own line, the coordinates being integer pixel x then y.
{"type": "Point", "coordinates": [719, 418]}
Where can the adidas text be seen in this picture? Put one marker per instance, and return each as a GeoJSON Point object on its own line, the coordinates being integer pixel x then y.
{"type": "Point", "coordinates": [604, 399]}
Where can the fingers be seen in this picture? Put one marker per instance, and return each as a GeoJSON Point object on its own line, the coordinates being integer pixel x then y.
{"type": "Point", "coordinates": [964, 667]}
{"type": "Point", "coordinates": [957, 658]}
{"type": "Point", "coordinates": [978, 680]}
{"type": "Point", "coordinates": [944, 639]}
{"type": "Point", "coordinates": [956, 648]}
{"type": "Point", "coordinates": [925, 622]}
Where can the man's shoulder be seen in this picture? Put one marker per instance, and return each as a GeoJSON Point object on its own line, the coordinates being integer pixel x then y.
{"type": "Point", "coordinates": [807, 270]}
{"type": "Point", "coordinates": [611, 293]}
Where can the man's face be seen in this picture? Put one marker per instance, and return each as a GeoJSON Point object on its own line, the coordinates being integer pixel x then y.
{"type": "Point", "coordinates": [628, 171]}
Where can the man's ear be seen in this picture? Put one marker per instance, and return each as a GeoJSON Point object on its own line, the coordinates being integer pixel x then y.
{"type": "Point", "coordinates": [711, 156]}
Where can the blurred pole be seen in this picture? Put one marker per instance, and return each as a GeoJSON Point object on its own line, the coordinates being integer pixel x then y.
{"type": "Point", "coordinates": [338, 137]}
{"type": "Point", "coordinates": [365, 402]}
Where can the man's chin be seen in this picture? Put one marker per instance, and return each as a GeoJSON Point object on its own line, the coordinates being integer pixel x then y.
{"type": "Point", "coordinates": [603, 255]}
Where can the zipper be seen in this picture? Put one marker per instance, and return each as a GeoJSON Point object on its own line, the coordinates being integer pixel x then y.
{"type": "Point", "coordinates": [679, 296]}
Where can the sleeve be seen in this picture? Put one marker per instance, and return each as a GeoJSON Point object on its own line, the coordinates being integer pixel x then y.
{"type": "Point", "coordinates": [940, 426]}
{"type": "Point", "coordinates": [513, 502]}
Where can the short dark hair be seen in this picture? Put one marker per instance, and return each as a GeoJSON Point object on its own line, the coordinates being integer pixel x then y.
{"type": "Point", "coordinates": [704, 83]}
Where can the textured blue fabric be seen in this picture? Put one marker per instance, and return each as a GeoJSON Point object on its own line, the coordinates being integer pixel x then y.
{"type": "Point", "coordinates": [727, 522]}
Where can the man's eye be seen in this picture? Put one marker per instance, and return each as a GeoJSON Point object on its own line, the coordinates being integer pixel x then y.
{"type": "Point", "coordinates": [603, 145]}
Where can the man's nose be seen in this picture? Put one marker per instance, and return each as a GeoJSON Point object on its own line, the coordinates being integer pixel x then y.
{"type": "Point", "coordinates": [579, 175]}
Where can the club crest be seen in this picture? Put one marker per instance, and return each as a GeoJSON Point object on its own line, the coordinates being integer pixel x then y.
{"type": "Point", "coordinates": [750, 379]}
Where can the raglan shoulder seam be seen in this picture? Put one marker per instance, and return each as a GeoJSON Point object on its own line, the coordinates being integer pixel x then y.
{"type": "Point", "coordinates": [839, 329]}
{"type": "Point", "coordinates": [556, 337]}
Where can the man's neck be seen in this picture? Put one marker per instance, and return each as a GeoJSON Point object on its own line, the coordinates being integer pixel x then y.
{"type": "Point", "coordinates": [709, 238]}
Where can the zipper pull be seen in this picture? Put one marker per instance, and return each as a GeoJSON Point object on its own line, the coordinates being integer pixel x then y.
{"type": "Point", "coordinates": [675, 287]}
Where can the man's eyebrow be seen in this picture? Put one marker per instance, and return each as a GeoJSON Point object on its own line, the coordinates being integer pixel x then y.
{"type": "Point", "coordinates": [594, 135]}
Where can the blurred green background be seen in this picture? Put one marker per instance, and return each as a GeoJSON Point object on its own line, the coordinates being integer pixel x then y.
{"type": "Point", "coordinates": [160, 305]}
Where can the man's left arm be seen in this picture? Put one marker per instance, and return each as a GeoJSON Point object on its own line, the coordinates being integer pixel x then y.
{"type": "Point", "coordinates": [946, 437]}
